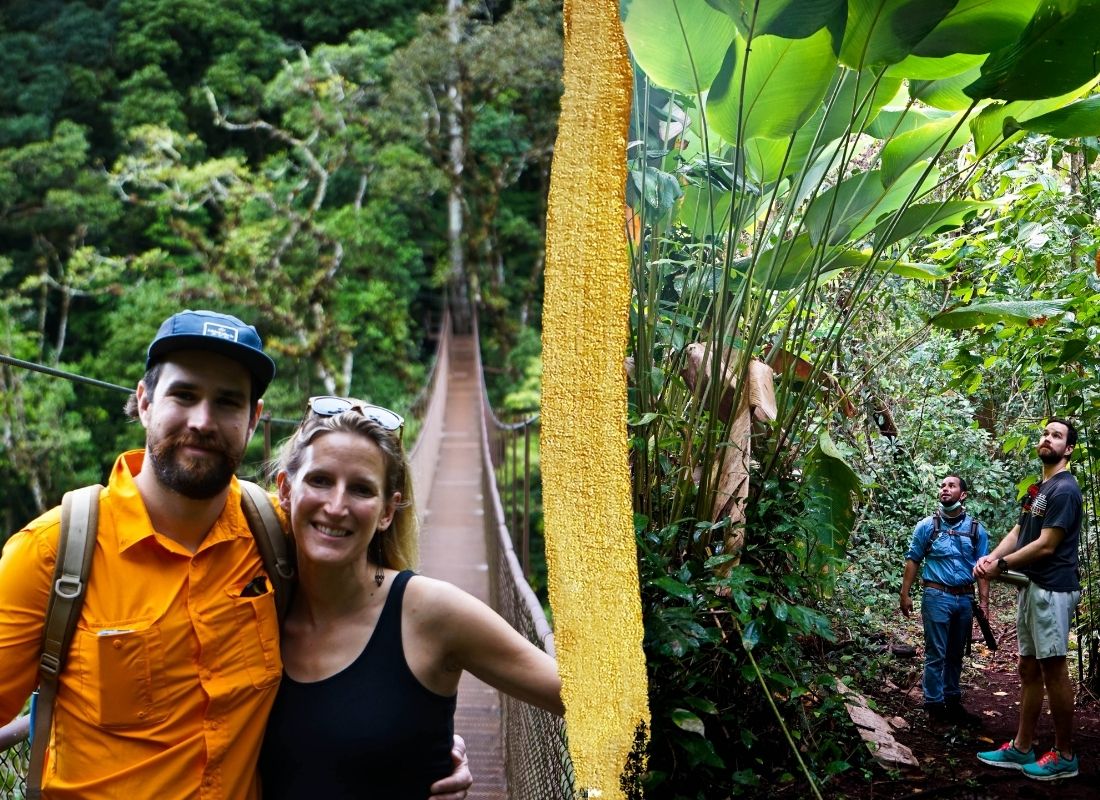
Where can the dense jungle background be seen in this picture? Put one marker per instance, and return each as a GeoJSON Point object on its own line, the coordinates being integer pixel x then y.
{"type": "Point", "coordinates": [864, 253]}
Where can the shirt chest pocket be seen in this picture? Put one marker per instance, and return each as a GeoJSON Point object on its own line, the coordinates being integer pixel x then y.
{"type": "Point", "coordinates": [122, 672]}
{"type": "Point", "coordinates": [953, 545]}
{"type": "Point", "coordinates": [257, 631]}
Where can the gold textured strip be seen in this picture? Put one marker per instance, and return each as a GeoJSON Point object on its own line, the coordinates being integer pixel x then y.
{"type": "Point", "coordinates": [592, 558]}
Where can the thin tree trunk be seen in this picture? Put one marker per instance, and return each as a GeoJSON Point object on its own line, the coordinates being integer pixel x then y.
{"type": "Point", "coordinates": [457, 158]}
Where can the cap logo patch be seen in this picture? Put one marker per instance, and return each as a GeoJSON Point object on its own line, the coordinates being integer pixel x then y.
{"type": "Point", "coordinates": [219, 331]}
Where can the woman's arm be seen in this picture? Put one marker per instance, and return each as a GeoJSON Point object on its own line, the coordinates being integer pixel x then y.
{"type": "Point", "coordinates": [452, 631]}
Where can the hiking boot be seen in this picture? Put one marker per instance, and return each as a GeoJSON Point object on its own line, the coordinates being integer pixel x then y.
{"type": "Point", "coordinates": [1051, 767]}
{"type": "Point", "coordinates": [958, 715]}
{"type": "Point", "coordinates": [1008, 757]}
{"type": "Point", "coordinates": [937, 712]}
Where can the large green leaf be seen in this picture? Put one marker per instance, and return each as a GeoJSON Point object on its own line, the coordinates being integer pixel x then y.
{"type": "Point", "coordinates": [659, 190]}
{"type": "Point", "coordinates": [927, 218]}
{"type": "Point", "coordinates": [1010, 312]}
{"type": "Point", "coordinates": [989, 126]}
{"type": "Point", "coordinates": [852, 100]}
{"type": "Point", "coordinates": [912, 270]}
{"type": "Point", "coordinates": [978, 26]}
{"type": "Point", "coordinates": [1059, 49]}
{"type": "Point", "coordinates": [792, 263]}
{"type": "Point", "coordinates": [791, 19]}
{"type": "Point", "coordinates": [834, 489]}
{"type": "Point", "coordinates": [853, 208]}
{"type": "Point", "coordinates": [1077, 119]}
{"type": "Point", "coordinates": [772, 88]}
{"type": "Point", "coordinates": [705, 210]}
{"type": "Point", "coordinates": [934, 69]}
{"type": "Point", "coordinates": [855, 99]}
{"type": "Point", "coordinates": [946, 93]}
{"type": "Point", "coordinates": [892, 122]}
{"type": "Point", "coordinates": [922, 144]}
{"type": "Point", "coordinates": [679, 44]}
{"type": "Point", "coordinates": [882, 32]}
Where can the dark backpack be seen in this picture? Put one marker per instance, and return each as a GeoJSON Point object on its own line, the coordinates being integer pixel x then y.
{"type": "Point", "coordinates": [937, 526]}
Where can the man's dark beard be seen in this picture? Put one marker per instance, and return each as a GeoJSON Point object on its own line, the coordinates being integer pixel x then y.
{"type": "Point", "coordinates": [203, 479]}
{"type": "Point", "coordinates": [1050, 458]}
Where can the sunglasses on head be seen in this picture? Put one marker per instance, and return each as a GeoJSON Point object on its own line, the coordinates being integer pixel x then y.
{"type": "Point", "coordinates": [328, 405]}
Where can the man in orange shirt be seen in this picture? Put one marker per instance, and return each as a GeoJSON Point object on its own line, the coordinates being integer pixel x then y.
{"type": "Point", "coordinates": [175, 660]}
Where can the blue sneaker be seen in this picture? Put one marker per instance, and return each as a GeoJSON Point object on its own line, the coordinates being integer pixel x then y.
{"type": "Point", "coordinates": [1051, 767]}
{"type": "Point", "coordinates": [1008, 757]}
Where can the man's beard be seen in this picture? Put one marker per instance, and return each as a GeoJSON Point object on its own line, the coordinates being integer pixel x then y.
{"type": "Point", "coordinates": [196, 478]}
{"type": "Point", "coordinates": [1049, 457]}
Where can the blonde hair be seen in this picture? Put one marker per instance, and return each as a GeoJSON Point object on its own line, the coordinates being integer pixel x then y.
{"type": "Point", "coordinates": [395, 547]}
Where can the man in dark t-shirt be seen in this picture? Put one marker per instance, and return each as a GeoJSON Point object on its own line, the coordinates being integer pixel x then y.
{"type": "Point", "coordinates": [1043, 545]}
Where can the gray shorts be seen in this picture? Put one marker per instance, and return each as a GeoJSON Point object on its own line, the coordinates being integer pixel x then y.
{"type": "Point", "coordinates": [1043, 619]}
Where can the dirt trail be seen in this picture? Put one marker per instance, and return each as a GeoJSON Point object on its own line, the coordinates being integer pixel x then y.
{"type": "Point", "coordinates": [946, 753]}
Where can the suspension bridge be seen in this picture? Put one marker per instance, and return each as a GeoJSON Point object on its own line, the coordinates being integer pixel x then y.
{"type": "Point", "coordinates": [471, 531]}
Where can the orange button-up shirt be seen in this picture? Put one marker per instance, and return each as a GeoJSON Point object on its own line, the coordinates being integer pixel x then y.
{"type": "Point", "coordinates": [171, 673]}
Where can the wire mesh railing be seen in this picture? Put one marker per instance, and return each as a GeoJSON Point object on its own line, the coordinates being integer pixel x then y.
{"type": "Point", "coordinates": [536, 751]}
{"type": "Point", "coordinates": [430, 407]}
{"type": "Point", "coordinates": [15, 754]}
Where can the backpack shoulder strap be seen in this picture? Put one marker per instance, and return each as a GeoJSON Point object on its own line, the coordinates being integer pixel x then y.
{"type": "Point", "coordinates": [75, 545]}
{"type": "Point", "coordinates": [272, 542]}
{"type": "Point", "coordinates": [974, 533]}
{"type": "Point", "coordinates": [937, 523]}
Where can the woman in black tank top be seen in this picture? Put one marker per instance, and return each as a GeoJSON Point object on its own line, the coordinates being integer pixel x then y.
{"type": "Point", "coordinates": [373, 653]}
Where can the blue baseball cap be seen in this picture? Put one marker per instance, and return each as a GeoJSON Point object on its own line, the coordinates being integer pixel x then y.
{"type": "Point", "coordinates": [218, 333]}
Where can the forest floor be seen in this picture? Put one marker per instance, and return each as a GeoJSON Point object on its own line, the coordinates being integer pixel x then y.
{"type": "Point", "coordinates": [948, 767]}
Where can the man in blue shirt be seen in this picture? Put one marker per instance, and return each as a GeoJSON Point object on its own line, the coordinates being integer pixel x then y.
{"type": "Point", "coordinates": [945, 547]}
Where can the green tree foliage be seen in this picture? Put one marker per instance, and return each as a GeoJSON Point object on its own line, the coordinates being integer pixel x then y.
{"type": "Point", "coordinates": [251, 155]}
{"type": "Point", "coordinates": [506, 79]}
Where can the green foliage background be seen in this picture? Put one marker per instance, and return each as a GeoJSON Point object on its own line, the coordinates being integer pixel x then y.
{"type": "Point", "coordinates": [285, 161]}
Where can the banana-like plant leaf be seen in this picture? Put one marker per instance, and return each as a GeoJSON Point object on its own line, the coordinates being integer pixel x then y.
{"type": "Point", "coordinates": [772, 88]}
{"type": "Point", "coordinates": [852, 209]}
{"type": "Point", "coordinates": [892, 122]}
{"type": "Point", "coordinates": [705, 210]}
{"type": "Point", "coordinates": [922, 68]}
{"type": "Point", "coordinates": [989, 125]}
{"type": "Point", "coordinates": [913, 270]}
{"type": "Point", "coordinates": [978, 26]}
{"type": "Point", "coordinates": [1077, 119]}
{"type": "Point", "coordinates": [1010, 312]}
{"type": "Point", "coordinates": [923, 144]}
{"type": "Point", "coordinates": [659, 190]}
{"type": "Point", "coordinates": [910, 270]}
{"type": "Point", "coordinates": [927, 218]}
{"type": "Point", "coordinates": [946, 93]}
{"type": "Point", "coordinates": [852, 100]}
{"type": "Point", "coordinates": [1059, 49]}
{"type": "Point", "coordinates": [680, 45]}
{"type": "Point", "coordinates": [834, 490]}
{"type": "Point", "coordinates": [882, 32]}
{"type": "Point", "coordinates": [792, 263]}
{"type": "Point", "coordinates": [791, 19]}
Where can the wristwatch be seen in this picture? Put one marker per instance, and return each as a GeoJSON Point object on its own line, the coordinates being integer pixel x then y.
{"type": "Point", "coordinates": [1002, 565]}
